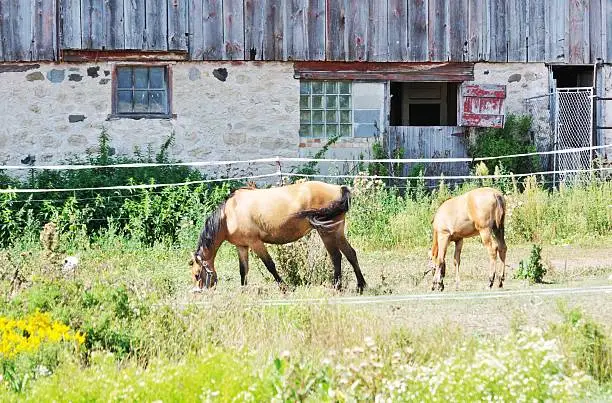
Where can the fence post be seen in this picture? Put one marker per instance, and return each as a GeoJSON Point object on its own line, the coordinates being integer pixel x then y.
{"type": "Point", "coordinates": [279, 170]}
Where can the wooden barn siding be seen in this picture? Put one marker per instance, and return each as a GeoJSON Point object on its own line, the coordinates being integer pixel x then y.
{"type": "Point", "coordinates": [570, 31]}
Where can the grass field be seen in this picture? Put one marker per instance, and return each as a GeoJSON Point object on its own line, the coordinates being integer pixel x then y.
{"type": "Point", "coordinates": [125, 325]}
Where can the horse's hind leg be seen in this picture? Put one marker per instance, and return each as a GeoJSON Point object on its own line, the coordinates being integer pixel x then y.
{"type": "Point", "coordinates": [458, 246]}
{"type": "Point", "coordinates": [491, 246]}
{"type": "Point", "coordinates": [243, 259]}
{"type": "Point", "coordinates": [329, 240]}
{"type": "Point", "coordinates": [262, 252]}
{"type": "Point", "coordinates": [502, 256]}
{"type": "Point", "coordinates": [440, 262]}
{"type": "Point", "coordinates": [351, 256]}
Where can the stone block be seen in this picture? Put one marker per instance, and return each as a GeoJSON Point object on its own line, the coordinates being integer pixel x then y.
{"type": "Point", "coordinates": [35, 76]}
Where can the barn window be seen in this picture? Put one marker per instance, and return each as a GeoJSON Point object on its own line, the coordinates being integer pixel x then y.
{"type": "Point", "coordinates": [423, 104]}
{"type": "Point", "coordinates": [326, 108]}
{"type": "Point", "coordinates": [141, 91]}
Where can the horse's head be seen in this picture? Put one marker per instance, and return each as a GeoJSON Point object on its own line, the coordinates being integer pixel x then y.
{"type": "Point", "coordinates": [202, 269]}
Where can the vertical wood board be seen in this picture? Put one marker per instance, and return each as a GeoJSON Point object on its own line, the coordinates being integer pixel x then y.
{"type": "Point", "coordinates": [70, 24]}
{"type": "Point", "coordinates": [274, 30]}
{"type": "Point", "coordinates": [357, 30]}
{"type": "Point", "coordinates": [578, 31]}
{"type": "Point", "coordinates": [43, 30]}
{"type": "Point", "coordinates": [114, 28]}
{"type": "Point", "coordinates": [177, 24]}
{"type": "Point", "coordinates": [156, 23]}
{"type": "Point", "coordinates": [212, 43]}
{"type": "Point", "coordinates": [438, 32]}
{"type": "Point", "coordinates": [498, 50]}
{"type": "Point", "coordinates": [397, 31]}
{"type": "Point", "coordinates": [336, 30]}
{"type": "Point", "coordinates": [516, 26]}
{"type": "Point", "coordinates": [134, 23]}
{"type": "Point", "coordinates": [418, 43]}
{"type": "Point", "coordinates": [233, 30]}
{"type": "Point", "coordinates": [537, 31]}
{"type": "Point", "coordinates": [316, 25]}
{"type": "Point", "coordinates": [377, 46]}
{"type": "Point", "coordinates": [254, 22]}
{"type": "Point", "coordinates": [296, 33]}
{"type": "Point", "coordinates": [458, 30]}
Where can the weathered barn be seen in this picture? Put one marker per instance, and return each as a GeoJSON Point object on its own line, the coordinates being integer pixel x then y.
{"type": "Point", "coordinates": [238, 79]}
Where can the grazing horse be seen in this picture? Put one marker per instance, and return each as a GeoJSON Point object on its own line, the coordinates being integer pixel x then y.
{"type": "Point", "coordinates": [479, 211]}
{"type": "Point", "coordinates": [251, 217]}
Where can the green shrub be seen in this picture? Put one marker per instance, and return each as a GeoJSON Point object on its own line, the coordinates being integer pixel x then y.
{"type": "Point", "coordinates": [513, 138]}
{"type": "Point", "coordinates": [585, 343]}
{"type": "Point", "coordinates": [532, 269]}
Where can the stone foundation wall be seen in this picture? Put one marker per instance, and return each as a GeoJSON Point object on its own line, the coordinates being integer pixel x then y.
{"type": "Point", "coordinates": [57, 111]}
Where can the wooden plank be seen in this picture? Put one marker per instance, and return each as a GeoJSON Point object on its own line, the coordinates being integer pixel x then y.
{"type": "Point", "coordinates": [317, 22]}
{"type": "Point", "coordinates": [516, 30]}
{"type": "Point", "coordinates": [156, 23]}
{"type": "Point", "coordinates": [418, 45]}
{"type": "Point", "coordinates": [43, 30]}
{"type": "Point", "coordinates": [536, 51]}
{"type": "Point", "coordinates": [597, 33]}
{"type": "Point", "coordinates": [578, 31]}
{"type": "Point", "coordinates": [177, 24]}
{"type": "Point", "coordinates": [397, 23]}
{"type": "Point", "coordinates": [21, 30]}
{"type": "Point", "coordinates": [5, 37]}
{"type": "Point", "coordinates": [556, 24]}
{"type": "Point", "coordinates": [92, 24]}
{"type": "Point", "coordinates": [196, 29]}
{"type": "Point", "coordinates": [212, 24]}
{"type": "Point", "coordinates": [233, 30]}
{"type": "Point", "coordinates": [498, 51]}
{"type": "Point", "coordinates": [254, 21]}
{"type": "Point", "coordinates": [337, 38]}
{"type": "Point", "coordinates": [114, 34]}
{"type": "Point", "coordinates": [274, 30]}
{"type": "Point", "coordinates": [377, 46]}
{"type": "Point", "coordinates": [476, 29]}
{"type": "Point", "coordinates": [608, 30]}
{"type": "Point", "coordinates": [458, 30]}
{"type": "Point", "coordinates": [296, 30]}
{"type": "Point", "coordinates": [134, 23]}
{"type": "Point", "coordinates": [70, 24]}
{"type": "Point", "coordinates": [357, 30]}
{"type": "Point", "coordinates": [438, 30]}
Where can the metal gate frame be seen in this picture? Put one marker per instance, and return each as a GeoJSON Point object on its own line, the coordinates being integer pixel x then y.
{"type": "Point", "coordinates": [573, 128]}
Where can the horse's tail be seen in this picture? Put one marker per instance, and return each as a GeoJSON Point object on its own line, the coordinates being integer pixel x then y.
{"type": "Point", "coordinates": [500, 216]}
{"type": "Point", "coordinates": [325, 218]}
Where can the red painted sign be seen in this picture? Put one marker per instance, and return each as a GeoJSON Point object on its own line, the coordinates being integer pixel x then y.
{"type": "Point", "coordinates": [482, 105]}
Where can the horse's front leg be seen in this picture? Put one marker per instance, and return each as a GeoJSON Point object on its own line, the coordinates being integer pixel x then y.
{"type": "Point", "coordinates": [243, 260]}
{"type": "Point", "coordinates": [262, 252]}
{"type": "Point", "coordinates": [438, 279]}
{"type": "Point", "coordinates": [458, 246]}
{"type": "Point", "coordinates": [491, 246]}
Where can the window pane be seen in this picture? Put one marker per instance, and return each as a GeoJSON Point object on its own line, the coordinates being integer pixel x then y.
{"type": "Point", "coordinates": [304, 116]}
{"type": "Point", "coordinates": [124, 101]}
{"type": "Point", "coordinates": [304, 87]}
{"type": "Point", "coordinates": [332, 130]}
{"type": "Point", "coordinates": [331, 87]}
{"type": "Point", "coordinates": [304, 102]}
{"type": "Point", "coordinates": [157, 78]}
{"type": "Point", "coordinates": [317, 117]}
{"type": "Point", "coordinates": [157, 102]}
{"type": "Point", "coordinates": [141, 103]}
{"type": "Point", "coordinates": [346, 130]}
{"type": "Point", "coordinates": [317, 102]}
{"type": "Point", "coordinates": [317, 87]}
{"type": "Point", "coordinates": [318, 130]}
{"type": "Point", "coordinates": [305, 130]}
{"type": "Point", "coordinates": [331, 101]}
{"type": "Point", "coordinates": [124, 77]}
{"type": "Point", "coordinates": [141, 77]}
{"type": "Point", "coordinates": [345, 101]}
{"type": "Point", "coordinates": [331, 117]}
{"type": "Point", "coordinates": [344, 87]}
{"type": "Point", "coordinates": [345, 117]}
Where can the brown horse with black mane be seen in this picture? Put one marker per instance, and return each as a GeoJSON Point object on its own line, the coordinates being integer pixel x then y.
{"type": "Point", "coordinates": [251, 217]}
{"type": "Point", "coordinates": [479, 211]}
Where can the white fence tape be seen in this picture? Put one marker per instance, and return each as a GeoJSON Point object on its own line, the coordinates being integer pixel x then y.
{"type": "Point", "coordinates": [144, 186]}
{"type": "Point", "coordinates": [281, 174]}
{"type": "Point", "coordinates": [297, 159]}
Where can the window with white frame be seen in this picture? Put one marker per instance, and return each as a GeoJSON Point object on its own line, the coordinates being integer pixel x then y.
{"type": "Point", "coordinates": [141, 91]}
{"type": "Point", "coordinates": [326, 109]}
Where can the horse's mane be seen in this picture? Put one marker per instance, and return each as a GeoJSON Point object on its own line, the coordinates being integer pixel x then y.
{"type": "Point", "coordinates": [213, 222]}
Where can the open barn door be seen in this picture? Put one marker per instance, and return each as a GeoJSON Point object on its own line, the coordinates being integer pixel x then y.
{"type": "Point", "coordinates": [482, 105]}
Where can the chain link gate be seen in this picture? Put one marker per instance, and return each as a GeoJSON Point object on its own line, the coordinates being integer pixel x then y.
{"type": "Point", "coordinates": [573, 128]}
